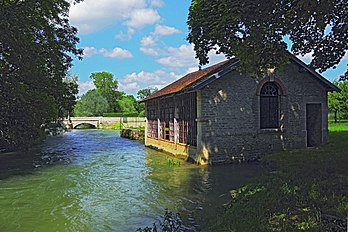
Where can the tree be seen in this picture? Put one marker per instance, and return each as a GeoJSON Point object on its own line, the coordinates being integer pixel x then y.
{"type": "Point", "coordinates": [107, 86]}
{"type": "Point", "coordinates": [143, 93]}
{"type": "Point", "coordinates": [338, 101]}
{"type": "Point", "coordinates": [127, 104]}
{"type": "Point", "coordinates": [67, 101]}
{"type": "Point", "coordinates": [91, 103]}
{"type": "Point", "coordinates": [36, 42]}
{"type": "Point", "coordinates": [254, 31]}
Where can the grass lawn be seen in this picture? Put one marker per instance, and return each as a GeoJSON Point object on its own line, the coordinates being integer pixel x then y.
{"type": "Point", "coordinates": [303, 190]}
{"type": "Point", "coordinates": [341, 125]}
{"type": "Point", "coordinates": [119, 126]}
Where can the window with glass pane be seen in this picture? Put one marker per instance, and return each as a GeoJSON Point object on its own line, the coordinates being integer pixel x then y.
{"type": "Point", "coordinates": [269, 106]}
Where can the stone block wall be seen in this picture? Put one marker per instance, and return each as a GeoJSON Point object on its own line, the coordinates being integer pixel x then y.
{"type": "Point", "coordinates": [228, 116]}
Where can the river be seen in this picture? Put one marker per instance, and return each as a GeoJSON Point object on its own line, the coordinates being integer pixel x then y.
{"type": "Point", "coordinates": [94, 180]}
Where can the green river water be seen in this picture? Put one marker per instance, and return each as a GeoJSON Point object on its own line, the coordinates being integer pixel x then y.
{"type": "Point", "coordinates": [93, 180]}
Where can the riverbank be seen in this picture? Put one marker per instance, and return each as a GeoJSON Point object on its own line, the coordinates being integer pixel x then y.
{"type": "Point", "coordinates": [133, 134]}
{"type": "Point", "coordinates": [304, 190]}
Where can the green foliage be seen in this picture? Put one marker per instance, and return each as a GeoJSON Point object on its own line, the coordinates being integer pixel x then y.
{"type": "Point", "coordinates": [91, 104]}
{"type": "Point", "coordinates": [171, 222]}
{"type": "Point", "coordinates": [36, 42]}
{"type": "Point", "coordinates": [127, 104]}
{"type": "Point", "coordinates": [305, 191]}
{"type": "Point", "coordinates": [114, 126]}
{"type": "Point", "coordinates": [143, 93]}
{"type": "Point", "coordinates": [173, 163]}
{"type": "Point", "coordinates": [142, 113]}
{"type": "Point", "coordinates": [254, 31]}
{"type": "Point", "coordinates": [338, 101]}
{"type": "Point", "coordinates": [67, 101]}
{"type": "Point", "coordinates": [107, 86]}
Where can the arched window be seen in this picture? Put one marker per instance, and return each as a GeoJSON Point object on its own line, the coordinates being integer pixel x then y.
{"type": "Point", "coordinates": [269, 106]}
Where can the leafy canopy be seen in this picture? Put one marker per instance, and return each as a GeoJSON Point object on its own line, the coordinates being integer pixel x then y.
{"type": "Point", "coordinates": [338, 101]}
{"type": "Point", "coordinates": [254, 31]}
{"type": "Point", "coordinates": [91, 103]}
{"type": "Point", "coordinates": [36, 44]}
{"type": "Point", "coordinates": [143, 93]}
{"type": "Point", "coordinates": [127, 103]}
{"type": "Point", "coordinates": [107, 86]}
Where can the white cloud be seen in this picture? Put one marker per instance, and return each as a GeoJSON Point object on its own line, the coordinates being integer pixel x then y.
{"type": "Point", "coordinates": [147, 41]}
{"type": "Point", "coordinates": [192, 69]}
{"type": "Point", "coordinates": [142, 17]}
{"type": "Point", "coordinates": [91, 16]}
{"type": "Point", "coordinates": [128, 86]}
{"type": "Point", "coordinates": [117, 53]}
{"type": "Point", "coordinates": [149, 51]}
{"type": "Point", "coordinates": [157, 79]}
{"type": "Point", "coordinates": [125, 36]}
{"type": "Point", "coordinates": [184, 57]}
{"type": "Point", "coordinates": [89, 51]}
{"type": "Point", "coordinates": [156, 3]}
{"type": "Point", "coordinates": [85, 86]}
{"type": "Point", "coordinates": [162, 30]}
{"type": "Point", "coordinates": [307, 58]}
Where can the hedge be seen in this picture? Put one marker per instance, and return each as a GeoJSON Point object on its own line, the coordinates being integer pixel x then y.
{"type": "Point", "coordinates": [121, 114]}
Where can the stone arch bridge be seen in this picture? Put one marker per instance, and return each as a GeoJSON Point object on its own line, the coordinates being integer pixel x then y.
{"type": "Point", "coordinates": [73, 122]}
{"type": "Point", "coordinates": [98, 122]}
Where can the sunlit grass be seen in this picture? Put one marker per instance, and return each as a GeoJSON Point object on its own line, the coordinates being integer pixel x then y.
{"type": "Point", "coordinates": [341, 125]}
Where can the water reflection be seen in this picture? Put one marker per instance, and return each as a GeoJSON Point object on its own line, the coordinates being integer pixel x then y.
{"type": "Point", "coordinates": [93, 180]}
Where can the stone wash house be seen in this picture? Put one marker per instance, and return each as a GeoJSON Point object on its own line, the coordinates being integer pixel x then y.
{"type": "Point", "coordinates": [218, 115]}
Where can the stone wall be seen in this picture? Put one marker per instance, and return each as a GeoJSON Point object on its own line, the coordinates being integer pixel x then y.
{"type": "Point", "coordinates": [133, 134]}
{"type": "Point", "coordinates": [228, 116]}
{"type": "Point", "coordinates": [126, 121]}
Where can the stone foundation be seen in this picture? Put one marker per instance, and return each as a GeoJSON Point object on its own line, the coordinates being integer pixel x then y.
{"type": "Point", "coordinates": [133, 134]}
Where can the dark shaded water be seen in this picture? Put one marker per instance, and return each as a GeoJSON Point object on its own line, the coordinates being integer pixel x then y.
{"type": "Point", "coordinates": [93, 180]}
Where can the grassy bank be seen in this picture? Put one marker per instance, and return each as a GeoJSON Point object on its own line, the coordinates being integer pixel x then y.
{"type": "Point", "coordinates": [114, 126]}
{"type": "Point", "coordinates": [304, 190]}
{"type": "Point", "coordinates": [341, 125]}
{"type": "Point", "coordinates": [120, 126]}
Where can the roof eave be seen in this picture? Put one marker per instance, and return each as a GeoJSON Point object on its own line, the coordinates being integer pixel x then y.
{"type": "Point", "coordinates": [233, 64]}
{"type": "Point", "coordinates": [149, 98]}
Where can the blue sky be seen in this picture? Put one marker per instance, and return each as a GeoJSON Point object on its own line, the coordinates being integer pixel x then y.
{"type": "Point", "coordinates": [142, 42]}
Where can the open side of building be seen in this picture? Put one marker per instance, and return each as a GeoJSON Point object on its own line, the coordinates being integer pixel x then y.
{"type": "Point", "coordinates": [218, 115]}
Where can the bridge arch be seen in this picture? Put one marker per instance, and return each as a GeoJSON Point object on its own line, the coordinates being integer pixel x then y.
{"type": "Point", "coordinates": [90, 125]}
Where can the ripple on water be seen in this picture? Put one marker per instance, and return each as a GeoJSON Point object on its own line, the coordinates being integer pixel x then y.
{"type": "Point", "coordinates": [93, 180]}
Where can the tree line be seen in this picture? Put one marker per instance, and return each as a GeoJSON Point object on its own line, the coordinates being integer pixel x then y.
{"type": "Point", "coordinates": [338, 101]}
{"type": "Point", "coordinates": [106, 98]}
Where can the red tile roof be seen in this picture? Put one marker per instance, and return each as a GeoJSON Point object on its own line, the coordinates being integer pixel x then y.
{"type": "Point", "coordinates": [186, 81]}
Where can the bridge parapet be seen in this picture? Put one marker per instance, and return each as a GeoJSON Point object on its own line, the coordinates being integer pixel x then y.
{"type": "Point", "coordinates": [73, 122]}
{"type": "Point", "coordinates": [98, 122]}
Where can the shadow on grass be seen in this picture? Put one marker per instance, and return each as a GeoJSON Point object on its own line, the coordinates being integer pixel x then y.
{"type": "Point", "coordinates": [304, 190]}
